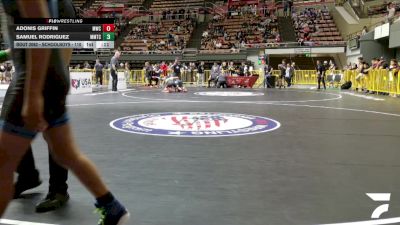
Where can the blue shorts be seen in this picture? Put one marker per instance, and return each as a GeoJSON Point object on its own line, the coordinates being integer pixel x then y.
{"type": "Point", "coordinates": [26, 133]}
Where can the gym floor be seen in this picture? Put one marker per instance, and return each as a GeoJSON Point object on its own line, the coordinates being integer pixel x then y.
{"type": "Point", "coordinates": [330, 149]}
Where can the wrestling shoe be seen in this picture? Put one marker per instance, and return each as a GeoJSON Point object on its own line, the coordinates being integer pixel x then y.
{"type": "Point", "coordinates": [52, 202]}
{"type": "Point", "coordinates": [113, 213]}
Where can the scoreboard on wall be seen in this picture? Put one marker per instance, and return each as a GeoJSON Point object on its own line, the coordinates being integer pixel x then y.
{"type": "Point", "coordinates": [83, 33]}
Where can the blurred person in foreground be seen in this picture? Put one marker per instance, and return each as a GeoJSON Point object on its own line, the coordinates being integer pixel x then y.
{"type": "Point", "coordinates": [36, 102]}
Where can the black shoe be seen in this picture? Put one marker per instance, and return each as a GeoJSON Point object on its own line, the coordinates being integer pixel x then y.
{"type": "Point", "coordinates": [52, 202]}
{"type": "Point", "coordinates": [23, 185]}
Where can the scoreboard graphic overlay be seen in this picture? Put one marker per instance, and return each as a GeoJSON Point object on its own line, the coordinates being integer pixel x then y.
{"type": "Point", "coordinates": [83, 33]}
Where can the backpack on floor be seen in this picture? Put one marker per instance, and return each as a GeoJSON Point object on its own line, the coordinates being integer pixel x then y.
{"type": "Point", "coordinates": [346, 85]}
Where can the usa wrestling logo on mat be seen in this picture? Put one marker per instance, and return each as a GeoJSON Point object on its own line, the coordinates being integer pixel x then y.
{"type": "Point", "coordinates": [195, 124]}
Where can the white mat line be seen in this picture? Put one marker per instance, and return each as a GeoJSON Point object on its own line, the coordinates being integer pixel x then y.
{"type": "Point", "coordinates": [17, 222]}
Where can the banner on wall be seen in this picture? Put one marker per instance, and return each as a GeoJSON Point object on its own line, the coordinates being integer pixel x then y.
{"type": "Point", "coordinates": [121, 81]}
{"type": "Point", "coordinates": [81, 82]}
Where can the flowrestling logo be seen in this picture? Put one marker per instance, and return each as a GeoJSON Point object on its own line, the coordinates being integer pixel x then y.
{"type": "Point", "coordinates": [195, 124]}
{"type": "Point", "coordinates": [229, 93]}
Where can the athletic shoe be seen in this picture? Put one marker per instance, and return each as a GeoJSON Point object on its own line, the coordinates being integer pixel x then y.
{"type": "Point", "coordinates": [52, 202]}
{"type": "Point", "coordinates": [23, 185]}
{"type": "Point", "coordinates": [113, 213]}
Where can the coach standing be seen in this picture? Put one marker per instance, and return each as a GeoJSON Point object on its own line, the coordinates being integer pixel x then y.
{"type": "Point", "coordinates": [200, 74]}
{"type": "Point", "coordinates": [98, 67]}
{"type": "Point", "coordinates": [176, 68]}
{"type": "Point", "coordinates": [321, 74]}
{"type": "Point", "coordinates": [114, 66]}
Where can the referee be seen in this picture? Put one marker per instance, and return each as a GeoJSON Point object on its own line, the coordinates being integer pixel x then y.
{"type": "Point", "coordinates": [114, 66]}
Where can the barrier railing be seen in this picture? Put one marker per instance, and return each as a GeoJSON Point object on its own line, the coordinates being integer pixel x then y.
{"type": "Point", "coordinates": [379, 81]}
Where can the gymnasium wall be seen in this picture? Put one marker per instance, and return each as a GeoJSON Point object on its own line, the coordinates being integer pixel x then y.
{"type": "Point", "coordinates": [371, 48]}
{"type": "Point", "coordinates": [394, 40]}
{"type": "Point", "coordinates": [346, 29]}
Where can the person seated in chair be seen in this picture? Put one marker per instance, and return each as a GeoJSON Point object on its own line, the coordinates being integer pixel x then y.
{"type": "Point", "coordinates": [156, 74]}
{"type": "Point", "coordinates": [221, 81]}
{"type": "Point", "coordinates": [215, 72]}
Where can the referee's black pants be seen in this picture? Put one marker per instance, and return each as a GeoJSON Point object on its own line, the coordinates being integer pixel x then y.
{"type": "Point", "coordinates": [58, 175]}
{"type": "Point", "coordinates": [321, 79]}
{"type": "Point", "coordinates": [114, 77]}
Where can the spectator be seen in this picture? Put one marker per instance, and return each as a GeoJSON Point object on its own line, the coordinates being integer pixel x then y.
{"type": "Point", "coordinates": [282, 69]}
{"type": "Point", "coordinates": [221, 81]}
{"type": "Point", "coordinates": [285, 8]}
{"type": "Point", "coordinates": [289, 74]}
{"type": "Point", "coordinates": [127, 73]}
{"type": "Point", "coordinates": [393, 73]}
{"type": "Point", "coordinates": [363, 68]}
{"type": "Point", "coordinates": [148, 72]}
{"type": "Point", "coordinates": [218, 45]}
{"type": "Point", "coordinates": [200, 74]}
{"type": "Point", "coordinates": [231, 68]}
{"type": "Point", "coordinates": [364, 31]}
{"type": "Point", "coordinates": [394, 66]}
{"type": "Point", "coordinates": [360, 63]}
{"type": "Point", "coordinates": [267, 76]}
{"type": "Point", "coordinates": [99, 72]}
{"type": "Point", "coordinates": [156, 74]}
{"type": "Point", "coordinates": [164, 68]}
{"type": "Point", "coordinates": [374, 63]}
{"type": "Point", "coordinates": [382, 64]}
{"type": "Point", "coordinates": [86, 65]}
{"type": "Point", "coordinates": [391, 11]}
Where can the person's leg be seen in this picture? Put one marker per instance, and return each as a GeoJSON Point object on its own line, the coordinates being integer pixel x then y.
{"type": "Point", "coordinates": [265, 81]}
{"type": "Point", "coordinates": [101, 78]}
{"type": "Point", "coordinates": [288, 81]}
{"type": "Point", "coordinates": [114, 81]}
{"type": "Point", "coordinates": [66, 152]}
{"type": "Point", "coordinates": [12, 149]}
{"type": "Point", "coordinates": [28, 175]}
{"type": "Point", "coordinates": [57, 195]}
{"type": "Point", "coordinates": [280, 82]}
{"type": "Point", "coordinates": [319, 82]}
{"type": "Point", "coordinates": [323, 81]}
{"type": "Point", "coordinates": [209, 83]}
{"type": "Point", "coordinates": [58, 177]}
